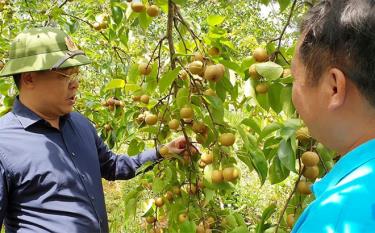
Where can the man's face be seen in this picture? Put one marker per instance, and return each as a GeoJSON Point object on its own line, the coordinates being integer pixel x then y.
{"type": "Point", "coordinates": [308, 99]}
{"type": "Point", "coordinates": [55, 91]}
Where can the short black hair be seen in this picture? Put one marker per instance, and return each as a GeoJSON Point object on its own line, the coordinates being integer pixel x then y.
{"type": "Point", "coordinates": [341, 34]}
{"type": "Point", "coordinates": [17, 80]}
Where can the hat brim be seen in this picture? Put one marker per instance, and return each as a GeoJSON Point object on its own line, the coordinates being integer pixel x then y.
{"type": "Point", "coordinates": [41, 62]}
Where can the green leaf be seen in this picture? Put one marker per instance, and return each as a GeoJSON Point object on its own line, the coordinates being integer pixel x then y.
{"type": "Point", "coordinates": [286, 98]}
{"type": "Point", "coordinates": [258, 160]}
{"type": "Point", "coordinates": [228, 43]}
{"type": "Point", "coordinates": [214, 20]}
{"type": "Point", "coordinates": [214, 102]}
{"type": "Point", "coordinates": [117, 14]}
{"type": "Point", "coordinates": [286, 155]}
{"type": "Point", "coordinates": [134, 147]}
{"type": "Point", "coordinates": [325, 153]}
{"type": "Point", "coordinates": [157, 185]}
{"type": "Point", "coordinates": [287, 132]}
{"type": "Point", "coordinates": [265, 2]}
{"type": "Point", "coordinates": [252, 124]}
{"type": "Point", "coordinates": [277, 171]}
{"type": "Point", "coordinates": [232, 65]}
{"type": "Point", "coordinates": [240, 229]}
{"type": "Point", "coordinates": [133, 73]}
{"type": "Point", "coordinates": [283, 4]}
{"type": "Point", "coordinates": [132, 87]}
{"type": "Point", "coordinates": [230, 222]}
{"type": "Point", "coordinates": [267, 213]}
{"type": "Point", "coordinates": [216, 106]}
{"type": "Point", "coordinates": [115, 83]}
{"type": "Point", "coordinates": [180, 2]}
{"type": "Point", "coordinates": [263, 101]}
{"type": "Point", "coordinates": [269, 129]}
{"type": "Point", "coordinates": [182, 97]}
{"type": "Point", "coordinates": [144, 20]}
{"type": "Point", "coordinates": [187, 227]}
{"type": "Point", "coordinates": [274, 97]}
{"type": "Point", "coordinates": [269, 70]}
{"type": "Point", "coordinates": [4, 87]}
{"type": "Point", "coordinates": [131, 208]}
{"type": "Point", "coordinates": [246, 63]}
{"type": "Point", "coordinates": [167, 79]}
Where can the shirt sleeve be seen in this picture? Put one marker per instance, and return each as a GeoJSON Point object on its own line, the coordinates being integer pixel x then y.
{"type": "Point", "coordinates": [3, 194]}
{"type": "Point", "coordinates": [120, 167]}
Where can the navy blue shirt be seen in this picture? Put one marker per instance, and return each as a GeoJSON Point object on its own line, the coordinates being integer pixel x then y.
{"type": "Point", "coordinates": [50, 179]}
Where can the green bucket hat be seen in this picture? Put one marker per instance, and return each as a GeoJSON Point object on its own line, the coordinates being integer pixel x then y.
{"type": "Point", "coordinates": [42, 49]}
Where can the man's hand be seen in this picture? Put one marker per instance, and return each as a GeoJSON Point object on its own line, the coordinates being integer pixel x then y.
{"type": "Point", "coordinates": [177, 146]}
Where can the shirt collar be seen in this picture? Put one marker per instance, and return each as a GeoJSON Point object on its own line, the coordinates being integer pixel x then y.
{"type": "Point", "coordinates": [352, 160]}
{"type": "Point", "coordinates": [27, 117]}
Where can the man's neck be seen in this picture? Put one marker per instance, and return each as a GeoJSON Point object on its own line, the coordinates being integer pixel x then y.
{"type": "Point", "coordinates": [53, 120]}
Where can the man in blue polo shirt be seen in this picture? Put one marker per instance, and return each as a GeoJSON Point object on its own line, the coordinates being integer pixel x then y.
{"type": "Point", "coordinates": [51, 159]}
{"type": "Point", "coordinates": [334, 93]}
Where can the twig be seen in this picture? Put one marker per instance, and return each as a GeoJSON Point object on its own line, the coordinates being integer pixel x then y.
{"type": "Point", "coordinates": [179, 33]}
{"type": "Point", "coordinates": [287, 203]}
{"type": "Point", "coordinates": [87, 22]}
{"type": "Point", "coordinates": [192, 33]}
{"type": "Point", "coordinates": [171, 12]}
{"type": "Point", "coordinates": [182, 20]}
{"type": "Point", "coordinates": [118, 54]}
{"type": "Point", "coordinates": [160, 43]}
{"type": "Point", "coordinates": [159, 62]}
{"type": "Point", "coordinates": [279, 39]}
{"type": "Point", "coordinates": [28, 7]}
{"type": "Point", "coordinates": [62, 4]}
{"type": "Point", "coordinates": [285, 27]}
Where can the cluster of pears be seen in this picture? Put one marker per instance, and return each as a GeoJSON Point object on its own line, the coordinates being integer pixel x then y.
{"type": "Point", "coordinates": [259, 55]}
{"type": "Point", "coordinates": [205, 225]}
{"type": "Point", "coordinates": [141, 98]}
{"type": "Point", "coordinates": [152, 10]}
{"type": "Point", "coordinates": [101, 22]}
{"type": "Point", "coordinates": [310, 160]}
{"type": "Point", "coordinates": [147, 117]}
{"type": "Point", "coordinates": [226, 174]}
{"type": "Point", "coordinates": [113, 103]}
{"type": "Point", "coordinates": [205, 68]}
{"type": "Point", "coordinates": [225, 139]}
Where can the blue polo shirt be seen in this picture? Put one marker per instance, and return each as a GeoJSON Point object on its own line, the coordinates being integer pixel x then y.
{"type": "Point", "coordinates": [51, 180]}
{"type": "Point", "coordinates": [345, 197]}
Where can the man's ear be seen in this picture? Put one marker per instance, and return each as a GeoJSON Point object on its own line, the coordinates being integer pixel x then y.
{"type": "Point", "coordinates": [27, 80]}
{"type": "Point", "coordinates": [336, 84]}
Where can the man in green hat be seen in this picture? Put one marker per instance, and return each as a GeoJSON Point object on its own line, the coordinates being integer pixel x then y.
{"type": "Point", "coordinates": [51, 159]}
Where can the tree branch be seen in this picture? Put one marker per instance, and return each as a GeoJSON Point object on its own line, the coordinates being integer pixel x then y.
{"type": "Point", "coordinates": [87, 22]}
{"type": "Point", "coordinates": [279, 39]}
{"type": "Point", "coordinates": [171, 12]}
{"type": "Point", "coordinates": [62, 4]}
{"type": "Point", "coordinates": [287, 203]}
{"type": "Point", "coordinates": [29, 11]}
